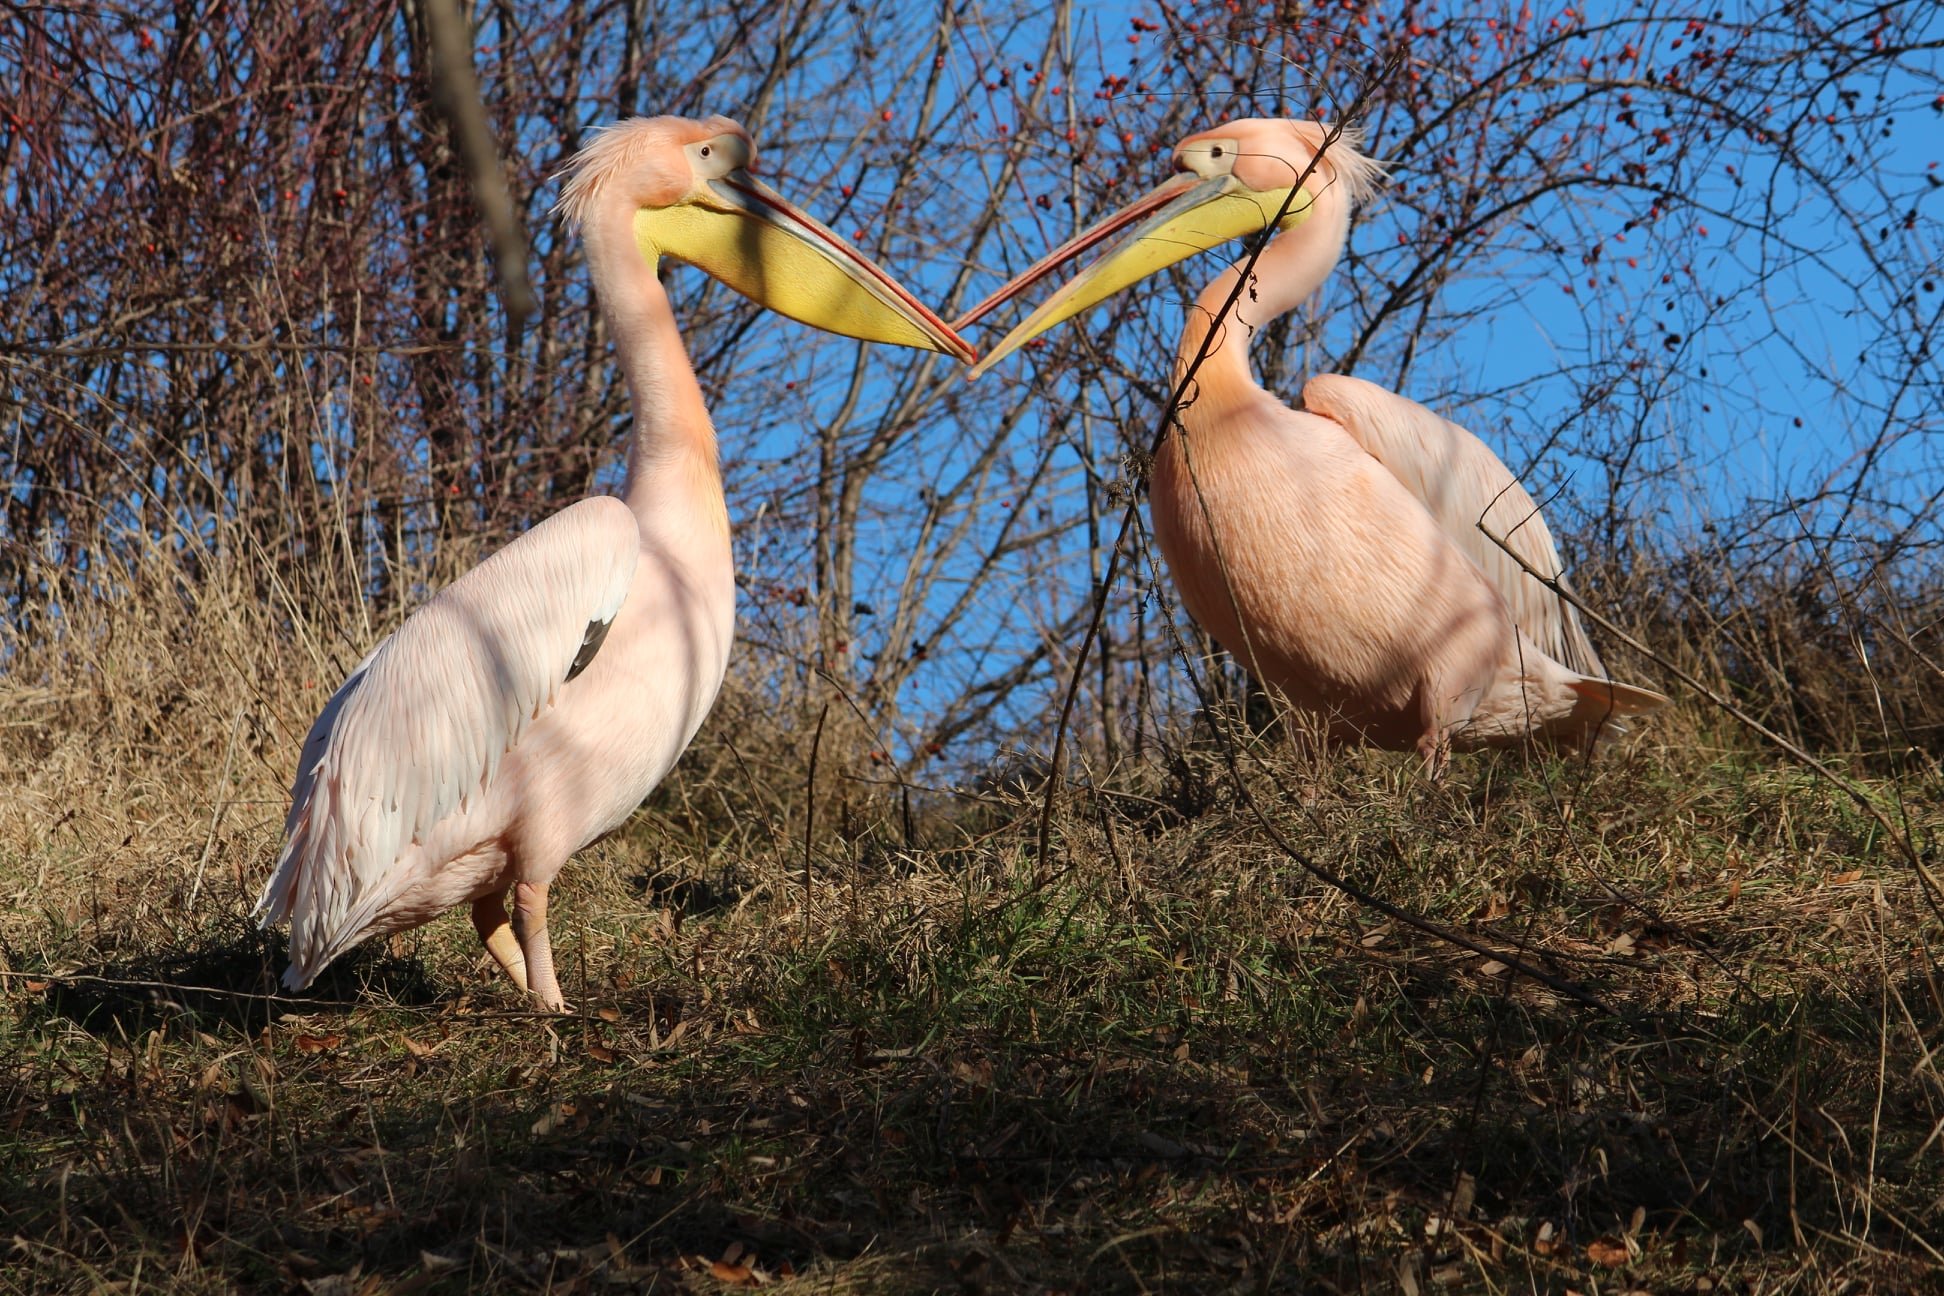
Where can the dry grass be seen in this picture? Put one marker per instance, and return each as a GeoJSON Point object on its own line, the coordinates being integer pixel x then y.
{"type": "Point", "coordinates": [1163, 1060]}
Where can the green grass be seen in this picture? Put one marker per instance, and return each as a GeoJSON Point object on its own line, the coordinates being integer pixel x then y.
{"type": "Point", "coordinates": [1167, 1060]}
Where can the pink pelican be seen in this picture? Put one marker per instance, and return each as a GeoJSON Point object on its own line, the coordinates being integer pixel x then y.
{"type": "Point", "coordinates": [1334, 550]}
{"type": "Point", "coordinates": [527, 708]}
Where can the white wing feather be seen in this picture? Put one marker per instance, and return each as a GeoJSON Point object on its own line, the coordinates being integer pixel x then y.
{"type": "Point", "coordinates": [420, 727]}
{"type": "Point", "coordinates": [1460, 481]}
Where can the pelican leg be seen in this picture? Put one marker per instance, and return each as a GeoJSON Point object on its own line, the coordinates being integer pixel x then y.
{"type": "Point", "coordinates": [496, 933]}
{"type": "Point", "coordinates": [1434, 744]}
{"type": "Point", "coordinates": [530, 925]}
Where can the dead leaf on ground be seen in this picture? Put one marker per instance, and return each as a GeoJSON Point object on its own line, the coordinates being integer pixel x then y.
{"type": "Point", "coordinates": [316, 1043]}
{"type": "Point", "coordinates": [344, 1284]}
{"type": "Point", "coordinates": [554, 1117]}
{"type": "Point", "coordinates": [1608, 1251]}
{"type": "Point", "coordinates": [601, 1053]}
{"type": "Point", "coordinates": [735, 1275]}
{"type": "Point", "coordinates": [1841, 879]}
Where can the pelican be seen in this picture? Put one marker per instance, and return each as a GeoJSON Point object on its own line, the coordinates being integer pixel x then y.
{"type": "Point", "coordinates": [1334, 550]}
{"type": "Point", "coordinates": [528, 707]}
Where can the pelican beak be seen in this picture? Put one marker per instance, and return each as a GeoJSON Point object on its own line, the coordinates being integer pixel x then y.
{"type": "Point", "coordinates": [1185, 215]}
{"type": "Point", "coordinates": [737, 229]}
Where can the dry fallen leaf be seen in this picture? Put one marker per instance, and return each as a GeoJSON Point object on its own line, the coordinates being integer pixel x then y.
{"type": "Point", "coordinates": [1843, 879]}
{"type": "Point", "coordinates": [601, 1053]}
{"type": "Point", "coordinates": [555, 1117]}
{"type": "Point", "coordinates": [736, 1275]}
{"type": "Point", "coordinates": [1608, 1251]}
{"type": "Point", "coordinates": [316, 1043]}
{"type": "Point", "coordinates": [35, 987]}
{"type": "Point", "coordinates": [344, 1284]}
{"type": "Point", "coordinates": [609, 1014]}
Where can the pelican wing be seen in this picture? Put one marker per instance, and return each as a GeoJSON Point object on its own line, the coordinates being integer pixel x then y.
{"type": "Point", "coordinates": [1464, 485]}
{"type": "Point", "coordinates": [420, 727]}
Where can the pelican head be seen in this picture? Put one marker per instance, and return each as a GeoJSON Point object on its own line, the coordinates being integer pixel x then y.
{"type": "Point", "coordinates": [687, 191]}
{"type": "Point", "coordinates": [1233, 180]}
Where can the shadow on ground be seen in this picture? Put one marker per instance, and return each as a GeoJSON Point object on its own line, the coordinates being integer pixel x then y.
{"type": "Point", "coordinates": [1515, 1139]}
{"type": "Point", "coordinates": [229, 978]}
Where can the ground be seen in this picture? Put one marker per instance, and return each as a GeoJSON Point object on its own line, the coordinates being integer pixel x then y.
{"type": "Point", "coordinates": [1167, 1058]}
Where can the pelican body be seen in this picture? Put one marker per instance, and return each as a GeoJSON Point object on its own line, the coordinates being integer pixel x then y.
{"type": "Point", "coordinates": [1334, 550]}
{"type": "Point", "coordinates": [528, 708]}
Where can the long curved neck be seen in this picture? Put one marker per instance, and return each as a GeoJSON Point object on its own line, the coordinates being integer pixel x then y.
{"type": "Point", "coordinates": [672, 460]}
{"type": "Point", "coordinates": [1294, 265]}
